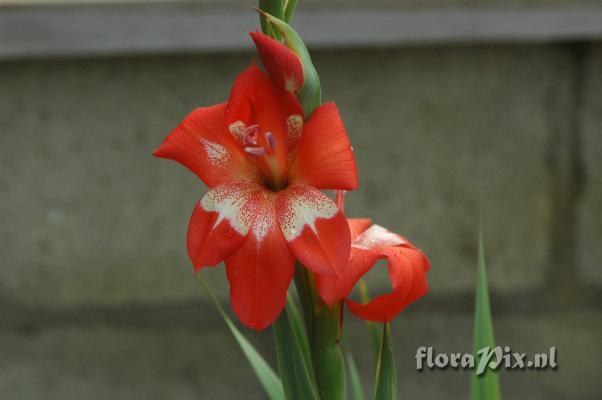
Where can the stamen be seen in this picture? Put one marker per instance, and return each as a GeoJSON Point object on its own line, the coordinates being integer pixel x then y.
{"type": "Point", "coordinates": [256, 151]}
{"type": "Point", "coordinates": [340, 200]}
{"type": "Point", "coordinates": [269, 137]}
{"type": "Point", "coordinates": [249, 135]}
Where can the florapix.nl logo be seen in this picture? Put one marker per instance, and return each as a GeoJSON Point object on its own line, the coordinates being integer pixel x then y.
{"type": "Point", "coordinates": [492, 358]}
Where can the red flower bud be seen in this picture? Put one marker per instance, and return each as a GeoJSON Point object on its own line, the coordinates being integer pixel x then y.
{"type": "Point", "coordinates": [281, 63]}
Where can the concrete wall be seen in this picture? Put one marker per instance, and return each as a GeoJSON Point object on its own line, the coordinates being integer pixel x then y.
{"type": "Point", "coordinates": [97, 297]}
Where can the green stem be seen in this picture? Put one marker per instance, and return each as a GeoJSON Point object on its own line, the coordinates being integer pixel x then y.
{"type": "Point", "coordinates": [306, 289]}
{"type": "Point", "coordinates": [275, 8]}
{"type": "Point", "coordinates": [323, 325]}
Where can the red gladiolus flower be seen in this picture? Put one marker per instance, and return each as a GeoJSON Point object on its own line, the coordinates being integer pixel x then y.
{"type": "Point", "coordinates": [283, 65]}
{"type": "Point", "coordinates": [407, 272]}
{"type": "Point", "coordinates": [265, 167]}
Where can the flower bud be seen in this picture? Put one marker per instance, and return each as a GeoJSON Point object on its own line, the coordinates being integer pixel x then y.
{"type": "Point", "coordinates": [281, 63]}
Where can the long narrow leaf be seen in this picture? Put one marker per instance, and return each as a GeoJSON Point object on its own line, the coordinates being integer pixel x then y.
{"type": "Point", "coordinates": [294, 371]}
{"type": "Point", "coordinates": [354, 377]}
{"type": "Point", "coordinates": [299, 330]}
{"type": "Point", "coordinates": [485, 386]}
{"type": "Point", "coordinates": [266, 375]}
{"type": "Point", "coordinates": [386, 376]}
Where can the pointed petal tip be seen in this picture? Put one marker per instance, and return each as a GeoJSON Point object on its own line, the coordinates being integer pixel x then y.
{"type": "Point", "coordinates": [203, 261]}
{"type": "Point", "coordinates": [158, 152]}
{"type": "Point", "coordinates": [255, 35]}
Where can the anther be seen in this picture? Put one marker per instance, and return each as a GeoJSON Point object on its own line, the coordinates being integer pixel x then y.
{"type": "Point", "coordinates": [269, 137]}
{"type": "Point", "coordinates": [256, 151]}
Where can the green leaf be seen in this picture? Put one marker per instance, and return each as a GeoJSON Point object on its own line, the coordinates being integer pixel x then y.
{"type": "Point", "coordinates": [485, 386]}
{"type": "Point", "coordinates": [354, 377]}
{"type": "Point", "coordinates": [310, 94]}
{"type": "Point", "coordinates": [267, 377]}
{"type": "Point", "coordinates": [289, 9]}
{"type": "Point", "coordinates": [386, 376]}
{"type": "Point", "coordinates": [294, 371]}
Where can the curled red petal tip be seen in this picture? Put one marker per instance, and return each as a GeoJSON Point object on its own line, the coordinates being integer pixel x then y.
{"type": "Point", "coordinates": [407, 272]}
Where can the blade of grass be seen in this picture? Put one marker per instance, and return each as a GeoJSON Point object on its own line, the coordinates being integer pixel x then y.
{"type": "Point", "coordinates": [386, 375]}
{"type": "Point", "coordinates": [485, 386]}
{"type": "Point", "coordinates": [354, 377]}
{"type": "Point", "coordinates": [266, 375]}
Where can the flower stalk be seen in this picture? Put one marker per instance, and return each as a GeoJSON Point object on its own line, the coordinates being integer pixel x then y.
{"type": "Point", "coordinates": [272, 7]}
{"type": "Point", "coordinates": [323, 322]}
{"type": "Point", "coordinates": [267, 155]}
{"type": "Point", "coordinates": [323, 325]}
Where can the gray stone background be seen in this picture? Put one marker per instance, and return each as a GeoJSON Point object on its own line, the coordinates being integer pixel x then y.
{"type": "Point", "coordinates": [98, 299]}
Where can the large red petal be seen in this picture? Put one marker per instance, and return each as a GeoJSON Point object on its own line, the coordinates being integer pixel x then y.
{"type": "Point", "coordinates": [203, 144]}
{"type": "Point", "coordinates": [407, 273]}
{"type": "Point", "coordinates": [256, 100]}
{"type": "Point", "coordinates": [325, 158]}
{"type": "Point", "coordinates": [332, 289]}
{"type": "Point", "coordinates": [316, 230]}
{"type": "Point", "coordinates": [283, 65]}
{"type": "Point", "coordinates": [218, 225]}
{"type": "Point", "coordinates": [261, 270]}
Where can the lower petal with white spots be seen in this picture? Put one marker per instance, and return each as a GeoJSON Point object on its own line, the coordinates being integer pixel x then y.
{"type": "Point", "coordinates": [260, 271]}
{"type": "Point", "coordinates": [219, 223]}
{"type": "Point", "coordinates": [315, 229]}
